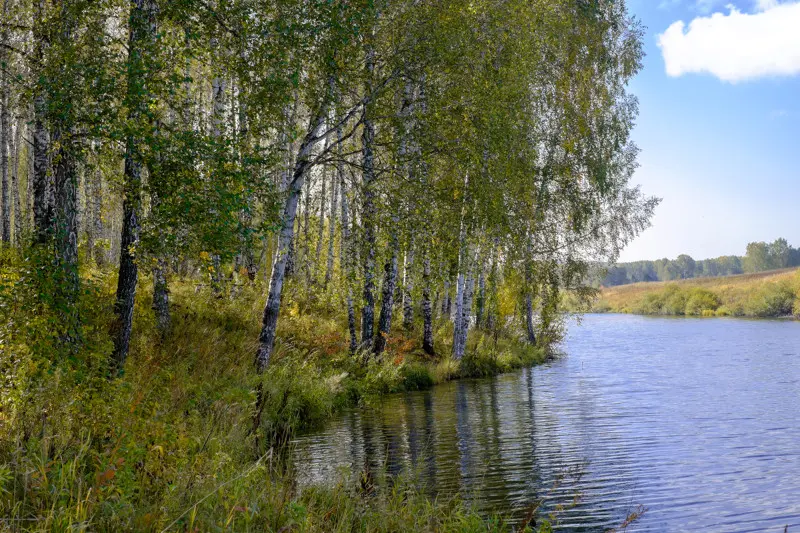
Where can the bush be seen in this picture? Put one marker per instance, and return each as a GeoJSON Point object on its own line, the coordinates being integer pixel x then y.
{"type": "Point", "coordinates": [651, 304]}
{"type": "Point", "coordinates": [296, 397]}
{"type": "Point", "coordinates": [675, 300]}
{"type": "Point", "coordinates": [700, 301]}
{"type": "Point", "coordinates": [479, 365]}
{"type": "Point", "coordinates": [416, 376]}
{"type": "Point", "coordinates": [770, 300]}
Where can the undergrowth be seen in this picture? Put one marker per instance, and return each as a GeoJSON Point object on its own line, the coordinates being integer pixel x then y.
{"type": "Point", "coordinates": [171, 444]}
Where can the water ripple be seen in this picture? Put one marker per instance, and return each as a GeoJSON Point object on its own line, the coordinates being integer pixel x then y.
{"type": "Point", "coordinates": [697, 420]}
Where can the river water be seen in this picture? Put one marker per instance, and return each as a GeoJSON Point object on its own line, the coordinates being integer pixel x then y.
{"type": "Point", "coordinates": [697, 420]}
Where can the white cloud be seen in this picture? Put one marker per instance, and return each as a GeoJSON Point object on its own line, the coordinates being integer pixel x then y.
{"type": "Point", "coordinates": [736, 46]}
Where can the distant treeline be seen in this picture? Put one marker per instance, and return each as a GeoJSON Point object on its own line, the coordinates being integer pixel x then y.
{"type": "Point", "coordinates": [759, 257]}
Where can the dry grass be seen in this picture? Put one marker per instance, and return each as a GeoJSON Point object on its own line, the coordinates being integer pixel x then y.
{"type": "Point", "coordinates": [739, 295]}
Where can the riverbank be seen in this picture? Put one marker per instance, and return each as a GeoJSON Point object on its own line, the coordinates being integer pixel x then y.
{"type": "Point", "coordinates": [171, 446]}
{"type": "Point", "coordinates": [762, 295]}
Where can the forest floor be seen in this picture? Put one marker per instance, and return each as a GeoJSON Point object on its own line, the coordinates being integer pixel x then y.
{"type": "Point", "coordinates": [172, 444]}
{"type": "Point", "coordinates": [774, 293]}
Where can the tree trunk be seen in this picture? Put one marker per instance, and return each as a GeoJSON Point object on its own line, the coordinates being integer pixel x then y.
{"type": "Point", "coordinates": [458, 346]}
{"type": "Point", "coordinates": [161, 297]}
{"type": "Point", "coordinates": [305, 247]}
{"type": "Point", "coordinates": [5, 222]}
{"type": "Point", "coordinates": [492, 298]}
{"type": "Point", "coordinates": [266, 340]}
{"type": "Point", "coordinates": [142, 29]}
{"type": "Point", "coordinates": [469, 298]}
{"type": "Point", "coordinates": [15, 148]}
{"type": "Point", "coordinates": [427, 311]}
{"type": "Point", "coordinates": [94, 202]}
{"type": "Point", "coordinates": [408, 286]}
{"type": "Point", "coordinates": [218, 89]}
{"type": "Point", "coordinates": [346, 254]}
{"type": "Point", "coordinates": [321, 221]}
{"type": "Point", "coordinates": [29, 156]}
{"type": "Point", "coordinates": [160, 286]}
{"type": "Point", "coordinates": [481, 300]}
{"type": "Point", "coordinates": [368, 209]}
{"type": "Point", "coordinates": [42, 186]}
{"type": "Point", "coordinates": [447, 302]}
{"type": "Point", "coordinates": [331, 233]}
{"type": "Point", "coordinates": [530, 334]}
{"type": "Point", "coordinates": [66, 214]}
{"type": "Point", "coordinates": [389, 285]}
{"type": "Point", "coordinates": [128, 267]}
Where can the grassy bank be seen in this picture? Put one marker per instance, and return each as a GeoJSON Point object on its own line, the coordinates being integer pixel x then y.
{"type": "Point", "coordinates": [765, 294]}
{"type": "Point", "coordinates": [171, 444]}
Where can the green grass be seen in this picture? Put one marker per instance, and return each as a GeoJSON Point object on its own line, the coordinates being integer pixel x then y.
{"type": "Point", "coordinates": [763, 295]}
{"type": "Point", "coordinates": [170, 445]}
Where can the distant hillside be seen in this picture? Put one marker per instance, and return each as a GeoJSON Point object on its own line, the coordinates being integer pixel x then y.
{"type": "Point", "coordinates": [774, 293]}
{"type": "Point", "coordinates": [759, 257]}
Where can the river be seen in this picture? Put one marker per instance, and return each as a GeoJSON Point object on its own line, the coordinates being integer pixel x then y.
{"type": "Point", "coordinates": [697, 420]}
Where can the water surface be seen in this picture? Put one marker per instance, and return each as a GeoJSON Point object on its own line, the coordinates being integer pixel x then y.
{"type": "Point", "coordinates": [696, 419]}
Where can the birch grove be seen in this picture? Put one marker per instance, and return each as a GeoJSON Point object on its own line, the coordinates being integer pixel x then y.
{"type": "Point", "coordinates": [424, 167]}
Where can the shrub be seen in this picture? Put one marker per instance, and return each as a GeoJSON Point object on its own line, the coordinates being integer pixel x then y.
{"type": "Point", "coordinates": [416, 376]}
{"type": "Point", "coordinates": [651, 304]}
{"type": "Point", "coordinates": [770, 300]}
{"type": "Point", "coordinates": [296, 397]}
{"type": "Point", "coordinates": [701, 300]}
{"type": "Point", "coordinates": [675, 300]}
{"type": "Point", "coordinates": [478, 365]}
{"type": "Point", "coordinates": [723, 311]}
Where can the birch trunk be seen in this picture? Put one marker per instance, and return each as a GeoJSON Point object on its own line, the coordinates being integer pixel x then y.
{"type": "Point", "coordinates": [321, 222]}
{"type": "Point", "coordinates": [65, 170]}
{"type": "Point", "coordinates": [161, 296]}
{"type": "Point", "coordinates": [492, 298]}
{"type": "Point", "coordinates": [96, 250]}
{"type": "Point", "coordinates": [427, 311]}
{"type": "Point", "coordinates": [408, 287]}
{"type": "Point", "coordinates": [389, 286]}
{"type": "Point", "coordinates": [530, 333]}
{"type": "Point", "coordinates": [266, 340]}
{"type": "Point", "coordinates": [142, 31]}
{"type": "Point", "coordinates": [218, 88]}
{"type": "Point", "coordinates": [42, 178]}
{"type": "Point", "coordinates": [306, 243]}
{"type": "Point", "coordinates": [331, 233]}
{"type": "Point", "coordinates": [29, 156]}
{"type": "Point", "coordinates": [481, 300]}
{"type": "Point", "coordinates": [458, 347]}
{"type": "Point", "coordinates": [346, 254]}
{"type": "Point", "coordinates": [66, 214]}
{"type": "Point", "coordinates": [160, 288]}
{"type": "Point", "coordinates": [42, 186]}
{"type": "Point", "coordinates": [446, 299]}
{"type": "Point", "coordinates": [19, 216]}
{"type": "Point", "coordinates": [368, 208]}
{"type": "Point", "coordinates": [5, 223]}
{"type": "Point", "coordinates": [248, 255]}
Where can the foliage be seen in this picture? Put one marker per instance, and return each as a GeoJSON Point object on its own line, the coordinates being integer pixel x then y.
{"type": "Point", "coordinates": [760, 257]}
{"type": "Point", "coordinates": [195, 144]}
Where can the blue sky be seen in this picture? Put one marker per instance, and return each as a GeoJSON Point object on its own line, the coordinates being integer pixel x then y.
{"type": "Point", "coordinates": [719, 125]}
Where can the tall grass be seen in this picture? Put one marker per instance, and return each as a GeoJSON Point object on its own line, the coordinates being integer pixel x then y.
{"type": "Point", "coordinates": [171, 444]}
{"type": "Point", "coordinates": [766, 294]}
